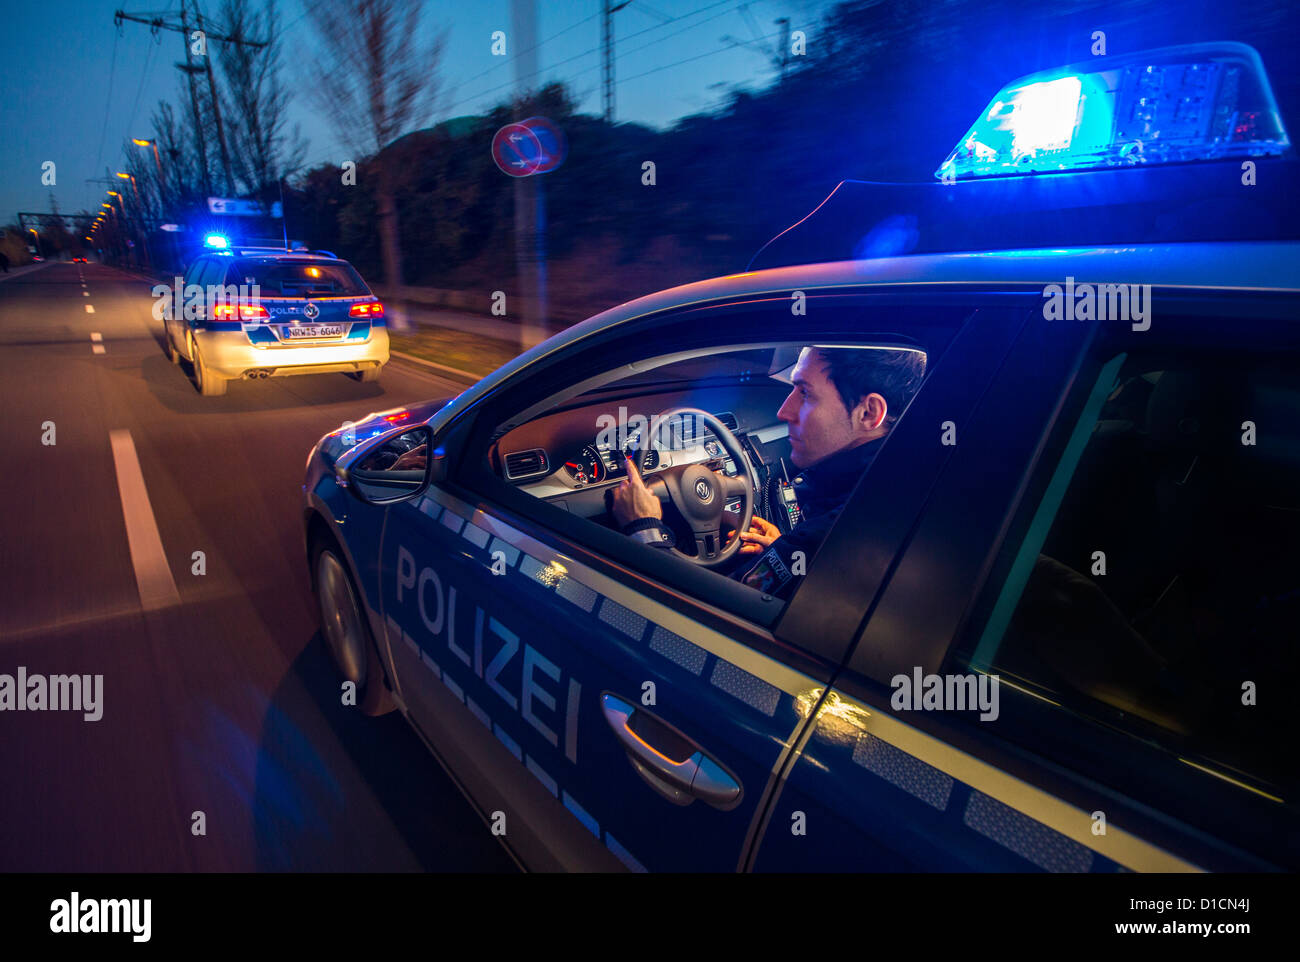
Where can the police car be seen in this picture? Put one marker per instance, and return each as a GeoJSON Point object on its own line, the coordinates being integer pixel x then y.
{"type": "Point", "coordinates": [250, 312]}
{"type": "Point", "coordinates": [1050, 627]}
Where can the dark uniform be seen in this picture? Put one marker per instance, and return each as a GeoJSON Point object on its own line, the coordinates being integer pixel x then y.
{"type": "Point", "coordinates": [821, 491]}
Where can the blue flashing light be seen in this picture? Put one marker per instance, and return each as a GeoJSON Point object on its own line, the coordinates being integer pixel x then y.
{"type": "Point", "coordinates": [216, 242]}
{"type": "Point", "coordinates": [1195, 102]}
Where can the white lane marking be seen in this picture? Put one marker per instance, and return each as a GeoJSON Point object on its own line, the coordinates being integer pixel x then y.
{"type": "Point", "coordinates": [96, 336]}
{"type": "Point", "coordinates": [97, 349]}
{"type": "Point", "coordinates": [90, 308]}
{"type": "Point", "coordinates": [153, 576]}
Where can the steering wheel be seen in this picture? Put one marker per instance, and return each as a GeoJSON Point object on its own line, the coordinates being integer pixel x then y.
{"type": "Point", "coordinates": [700, 495]}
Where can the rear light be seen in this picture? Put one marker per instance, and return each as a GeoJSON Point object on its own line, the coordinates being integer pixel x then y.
{"type": "Point", "coordinates": [371, 309]}
{"type": "Point", "coordinates": [243, 311]}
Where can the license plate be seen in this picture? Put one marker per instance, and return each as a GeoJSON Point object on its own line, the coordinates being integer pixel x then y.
{"type": "Point", "coordinates": [302, 331]}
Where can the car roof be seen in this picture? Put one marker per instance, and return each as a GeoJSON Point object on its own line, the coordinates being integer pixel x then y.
{"type": "Point", "coordinates": [1247, 266]}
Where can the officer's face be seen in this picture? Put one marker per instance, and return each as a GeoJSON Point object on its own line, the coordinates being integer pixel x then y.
{"type": "Point", "coordinates": [819, 423]}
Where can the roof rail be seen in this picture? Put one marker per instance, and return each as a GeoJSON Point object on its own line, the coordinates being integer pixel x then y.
{"type": "Point", "coordinates": [253, 249]}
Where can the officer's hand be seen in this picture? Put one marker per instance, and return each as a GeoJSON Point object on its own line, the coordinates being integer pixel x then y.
{"type": "Point", "coordinates": [632, 499]}
{"type": "Point", "coordinates": [760, 535]}
{"type": "Point", "coordinates": [412, 460]}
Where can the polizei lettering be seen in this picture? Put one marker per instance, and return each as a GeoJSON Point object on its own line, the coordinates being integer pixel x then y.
{"type": "Point", "coordinates": [532, 685]}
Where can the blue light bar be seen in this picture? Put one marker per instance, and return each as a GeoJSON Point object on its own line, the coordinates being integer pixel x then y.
{"type": "Point", "coordinates": [1207, 101]}
{"type": "Point", "coordinates": [216, 242]}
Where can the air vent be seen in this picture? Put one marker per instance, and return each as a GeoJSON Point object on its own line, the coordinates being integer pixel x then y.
{"type": "Point", "coordinates": [525, 464]}
{"type": "Point", "coordinates": [728, 420]}
{"type": "Point", "coordinates": [650, 460]}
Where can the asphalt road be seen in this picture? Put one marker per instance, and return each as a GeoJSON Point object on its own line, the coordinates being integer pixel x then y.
{"type": "Point", "coordinates": [225, 703]}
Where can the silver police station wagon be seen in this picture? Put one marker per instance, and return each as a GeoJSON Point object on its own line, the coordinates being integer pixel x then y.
{"type": "Point", "coordinates": [265, 313]}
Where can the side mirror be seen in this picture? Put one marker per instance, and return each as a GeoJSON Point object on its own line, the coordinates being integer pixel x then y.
{"type": "Point", "coordinates": [392, 467]}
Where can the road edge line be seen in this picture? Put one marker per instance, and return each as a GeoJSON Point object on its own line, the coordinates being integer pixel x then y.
{"type": "Point", "coordinates": [153, 575]}
{"type": "Point", "coordinates": [473, 378]}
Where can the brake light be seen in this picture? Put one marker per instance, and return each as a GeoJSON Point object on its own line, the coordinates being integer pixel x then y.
{"type": "Point", "coordinates": [245, 312]}
{"type": "Point", "coordinates": [370, 309]}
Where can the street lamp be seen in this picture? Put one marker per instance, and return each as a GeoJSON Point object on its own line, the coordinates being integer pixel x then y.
{"type": "Point", "coordinates": [142, 142]}
{"type": "Point", "coordinates": [162, 176]}
{"type": "Point", "coordinates": [38, 241]}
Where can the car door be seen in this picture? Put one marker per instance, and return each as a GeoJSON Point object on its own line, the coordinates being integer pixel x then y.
{"type": "Point", "coordinates": [629, 715]}
{"type": "Point", "coordinates": [1042, 777]}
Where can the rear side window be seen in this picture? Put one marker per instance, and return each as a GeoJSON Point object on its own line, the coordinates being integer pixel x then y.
{"type": "Point", "coordinates": [195, 272]}
{"type": "Point", "coordinates": [321, 278]}
{"type": "Point", "coordinates": [1157, 588]}
{"type": "Point", "coordinates": [214, 273]}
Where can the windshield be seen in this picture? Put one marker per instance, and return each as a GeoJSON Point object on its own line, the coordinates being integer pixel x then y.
{"type": "Point", "coordinates": [305, 278]}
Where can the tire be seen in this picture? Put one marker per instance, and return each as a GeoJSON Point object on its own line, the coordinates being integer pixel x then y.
{"type": "Point", "coordinates": [345, 630]}
{"type": "Point", "coordinates": [209, 384]}
{"type": "Point", "coordinates": [173, 355]}
{"type": "Point", "coordinates": [367, 376]}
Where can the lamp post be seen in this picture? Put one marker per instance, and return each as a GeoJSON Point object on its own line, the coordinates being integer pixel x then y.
{"type": "Point", "coordinates": [38, 241]}
{"type": "Point", "coordinates": [140, 218]}
{"type": "Point", "coordinates": [162, 186]}
{"type": "Point", "coordinates": [142, 142]}
{"type": "Point", "coordinates": [131, 223]}
{"type": "Point", "coordinates": [114, 222]}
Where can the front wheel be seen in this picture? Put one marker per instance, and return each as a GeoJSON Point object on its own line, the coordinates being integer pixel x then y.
{"type": "Point", "coordinates": [347, 633]}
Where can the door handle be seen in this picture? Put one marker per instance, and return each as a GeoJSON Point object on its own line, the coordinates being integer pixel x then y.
{"type": "Point", "coordinates": [670, 762]}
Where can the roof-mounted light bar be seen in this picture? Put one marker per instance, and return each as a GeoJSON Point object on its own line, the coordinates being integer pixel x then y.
{"type": "Point", "coordinates": [1207, 101]}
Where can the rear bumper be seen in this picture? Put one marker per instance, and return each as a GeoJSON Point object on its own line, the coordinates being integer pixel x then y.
{"type": "Point", "coordinates": [229, 354]}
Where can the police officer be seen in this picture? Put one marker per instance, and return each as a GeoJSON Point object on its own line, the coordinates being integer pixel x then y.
{"type": "Point", "coordinates": [842, 405]}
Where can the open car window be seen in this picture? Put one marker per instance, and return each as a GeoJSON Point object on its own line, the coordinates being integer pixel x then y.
{"type": "Point", "coordinates": [711, 435]}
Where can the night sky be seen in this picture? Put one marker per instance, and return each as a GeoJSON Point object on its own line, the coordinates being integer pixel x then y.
{"type": "Point", "coordinates": [75, 88]}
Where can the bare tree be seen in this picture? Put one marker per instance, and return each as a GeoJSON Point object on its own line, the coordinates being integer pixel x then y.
{"type": "Point", "coordinates": [262, 147]}
{"type": "Point", "coordinates": [177, 146]}
{"type": "Point", "coordinates": [375, 81]}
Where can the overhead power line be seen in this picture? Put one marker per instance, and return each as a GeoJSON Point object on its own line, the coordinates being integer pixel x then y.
{"type": "Point", "coordinates": [595, 50]}
{"type": "Point", "coordinates": [180, 23]}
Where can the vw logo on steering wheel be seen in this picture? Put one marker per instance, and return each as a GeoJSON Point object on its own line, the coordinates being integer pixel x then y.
{"type": "Point", "coordinates": [702, 490]}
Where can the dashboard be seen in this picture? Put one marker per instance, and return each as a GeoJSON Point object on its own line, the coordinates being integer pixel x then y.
{"type": "Point", "coordinates": [570, 457]}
